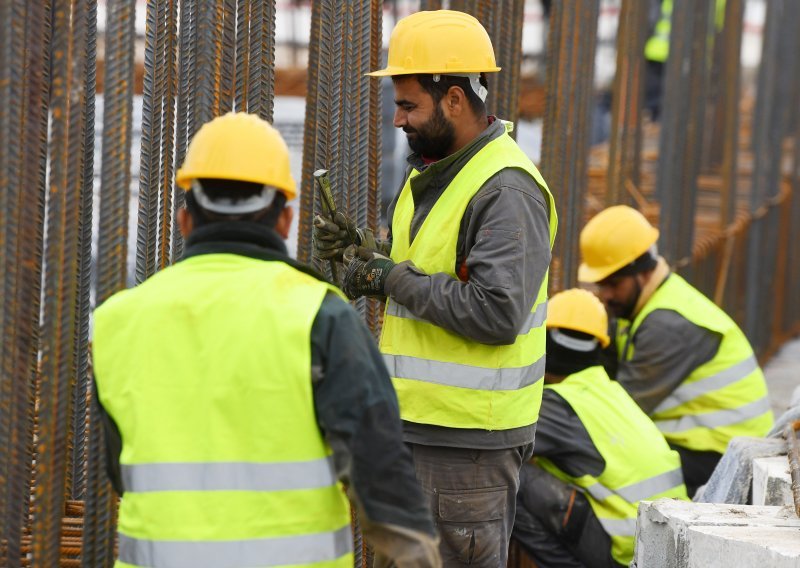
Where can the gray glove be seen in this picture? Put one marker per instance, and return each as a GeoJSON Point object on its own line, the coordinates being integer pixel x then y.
{"type": "Point", "coordinates": [331, 237]}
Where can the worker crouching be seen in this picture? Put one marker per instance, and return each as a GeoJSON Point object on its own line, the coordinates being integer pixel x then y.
{"type": "Point", "coordinates": [240, 391]}
{"type": "Point", "coordinates": [596, 456]}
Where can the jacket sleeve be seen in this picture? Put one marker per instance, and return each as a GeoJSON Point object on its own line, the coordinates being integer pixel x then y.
{"type": "Point", "coordinates": [667, 349]}
{"type": "Point", "coordinates": [562, 438]}
{"type": "Point", "coordinates": [506, 237]}
{"type": "Point", "coordinates": [358, 413]}
{"type": "Point", "coordinates": [112, 442]}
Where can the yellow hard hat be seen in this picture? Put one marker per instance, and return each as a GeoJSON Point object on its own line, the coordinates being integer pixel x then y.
{"type": "Point", "coordinates": [612, 239]}
{"type": "Point", "coordinates": [578, 310]}
{"type": "Point", "coordinates": [242, 147]}
{"type": "Point", "coordinates": [442, 42]}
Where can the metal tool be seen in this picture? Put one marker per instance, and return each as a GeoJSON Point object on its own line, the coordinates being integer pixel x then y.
{"type": "Point", "coordinates": [323, 182]}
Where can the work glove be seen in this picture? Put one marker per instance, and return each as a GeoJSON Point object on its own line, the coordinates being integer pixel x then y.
{"type": "Point", "coordinates": [331, 236]}
{"type": "Point", "coordinates": [367, 270]}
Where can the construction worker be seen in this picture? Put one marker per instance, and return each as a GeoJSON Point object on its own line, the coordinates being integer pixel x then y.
{"type": "Point", "coordinates": [681, 358]}
{"type": "Point", "coordinates": [597, 454]}
{"type": "Point", "coordinates": [464, 275]}
{"type": "Point", "coordinates": [241, 392]}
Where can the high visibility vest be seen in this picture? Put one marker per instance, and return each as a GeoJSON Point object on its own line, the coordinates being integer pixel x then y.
{"type": "Point", "coordinates": [443, 378]}
{"type": "Point", "coordinates": [639, 465]}
{"type": "Point", "coordinates": [657, 46]}
{"type": "Point", "coordinates": [723, 398]}
{"type": "Point", "coordinates": [206, 370]}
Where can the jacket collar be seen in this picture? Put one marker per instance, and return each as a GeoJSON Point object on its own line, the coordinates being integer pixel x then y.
{"type": "Point", "coordinates": [657, 278]}
{"type": "Point", "coordinates": [245, 239]}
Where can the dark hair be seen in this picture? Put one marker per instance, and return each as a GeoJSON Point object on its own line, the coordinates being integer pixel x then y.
{"type": "Point", "coordinates": [438, 89]}
{"type": "Point", "coordinates": [643, 263]}
{"type": "Point", "coordinates": [563, 361]}
{"type": "Point", "coordinates": [236, 191]}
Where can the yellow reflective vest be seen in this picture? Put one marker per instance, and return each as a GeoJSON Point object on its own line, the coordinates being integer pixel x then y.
{"type": "Point", "coordinates": [443, 378]}
{"type": "Point", "coordinates": [206, 370]}
{"type": "Point", "coordinates": [723, 398]}
{"type": "Point", "coordinates": [639, 465]}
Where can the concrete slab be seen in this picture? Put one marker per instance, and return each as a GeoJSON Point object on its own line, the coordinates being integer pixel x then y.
{"type": "Point", "coordinates": [663, 525]}
{"type": "Point", "coordinates": [772, 484]}
{"type": "Point", "coordinates": [775, 547]}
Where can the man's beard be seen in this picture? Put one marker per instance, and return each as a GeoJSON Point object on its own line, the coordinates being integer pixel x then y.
{"type": "Point", "coordinates": [625, 309]}
{"type": "Point", "coordinates": [433, 139]}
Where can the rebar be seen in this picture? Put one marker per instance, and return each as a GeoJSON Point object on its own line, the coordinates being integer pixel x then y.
{"type": "Point", "coordinates": [63, 262]}
{"type": "Point", "coordinates": [26, 48]}
{"type": "Point", "coordinates": [685, 82]}
{"type": "Point", "coordinates": [793, 454]}
{"type": "Point", "coordinates": [565, 140]}
{"type": "Point", "coordinates": [768, 129]}
{"type": "Point", "coordinates": [261, 76]}
{"type": "Point", "coordinates": [228, 82]}
{"type": "Point", "coordinates": [625, 144]}
{"type": "Point", "coordinates": [208, 60]}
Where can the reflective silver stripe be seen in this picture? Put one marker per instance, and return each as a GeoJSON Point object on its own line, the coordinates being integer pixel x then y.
{"type": "Point", "coordinates": [619, 527]}
{"type": "Point", "coordinates": [715, 419]}
{"type": "Point", "coordinates": [534, 319]}
{"type": "Point", "coordinates": [228, 476]}
{"type": "Point", "coordinates": [464, 376]}
{"type": "Point", "coordinates": [651, 486]}
{"type": "Point", "coordinates": [691, 391]}
{"type": "Point", "coordinates": [599, 491]}
{"type": "Point", "coordinates": [279, 551]}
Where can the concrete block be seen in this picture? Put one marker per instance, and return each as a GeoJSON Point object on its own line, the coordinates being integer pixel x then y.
{"type": "Point", "coordinates": [772, 484]}
{"type": "Point", "coordinates": [759, 547]}
{"type": "Point", "coordinates": [662, 531]}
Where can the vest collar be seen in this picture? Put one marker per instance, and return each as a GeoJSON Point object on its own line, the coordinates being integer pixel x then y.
{"type": "Point", "coordinates": [245, 239]}
{"type": "Point", "coordinates": [660, 274]}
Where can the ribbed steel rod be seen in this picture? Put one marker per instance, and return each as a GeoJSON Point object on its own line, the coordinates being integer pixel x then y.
{"type": "Point", "coordinates": [261, 77]}
{"type": "Point", "coordinates": [63, 264]}
{"type": "Point", "coordinates": [624, 159]}
{"type": "Point", "coordinates": [27, 50]}
{"type": "Point", "coordinates": [167, 153]}
{"type": "Point", "coordinates": [766, 141]}
{"type": "Point", "coordinates": [565, 141]}
{"type": "Point", "coordinates": [208, 60]}
{"type": "Point", "coordinates": [243, 8]}
{"type": "Point", "coordinates": [77, 474]}
{"type": "Point", "coordinates": [310, 133]}
{"type": "Point", "coordinates": [228, 82]}
{"type": "Point", "coordinates": [682, 126]}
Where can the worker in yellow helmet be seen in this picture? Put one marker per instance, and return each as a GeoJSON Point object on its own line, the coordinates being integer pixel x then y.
{"type": "Point", "coordinates": [240, 391]}
{"type": "Point", "coordinates": [597, 454]}
{"type": "Point", "coordinates": [464, 274]}
{"type": "Point", "coordinates": [682, 359]}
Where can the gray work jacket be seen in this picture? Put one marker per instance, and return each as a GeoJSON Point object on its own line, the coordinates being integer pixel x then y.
{"type": "Point", "coordinates": [502, 256]}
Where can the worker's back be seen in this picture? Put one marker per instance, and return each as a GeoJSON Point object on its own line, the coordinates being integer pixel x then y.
{"type": "Point", "coordinates": [205, 369]}
{"type": "Point", "coordinates": [638, 462]}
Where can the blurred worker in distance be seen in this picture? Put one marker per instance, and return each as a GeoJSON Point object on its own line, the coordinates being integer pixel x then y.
{"type": "Point", "coordinates": [597, 454]}
{"type": "Point", "coordinates": [681, 358]}
{"type": "Point", "coordinates": [240, 391]}
{"type": "Point", "coordinates": [464, 273]}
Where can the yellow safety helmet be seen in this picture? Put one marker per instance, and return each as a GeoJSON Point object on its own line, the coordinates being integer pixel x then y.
{"type": "Point", "coordinates": [578, 310]}
{"type": "Point", "coordinates": [612, 239]}
{"type": "Point", "coordinates": [242, 147]}
{"type": "Point", "coordinates": [442, 42]}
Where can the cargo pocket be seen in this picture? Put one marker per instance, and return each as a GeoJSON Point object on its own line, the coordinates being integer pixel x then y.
{"type": "Point", "coordinates": [471, 523]}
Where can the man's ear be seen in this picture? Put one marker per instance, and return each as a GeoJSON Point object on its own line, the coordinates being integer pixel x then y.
{"type": "Point", "coordinates": [185, 222]}
{"type": "Point", "coordinates": [284, 222]}
{"type": "Point", "coordinates": [455, 101]}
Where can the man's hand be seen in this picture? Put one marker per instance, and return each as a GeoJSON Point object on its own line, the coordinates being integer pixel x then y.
{"type": "Point", "coordinates": [366, 274]}
{"type": "Point", "coordinates": [331, 237]}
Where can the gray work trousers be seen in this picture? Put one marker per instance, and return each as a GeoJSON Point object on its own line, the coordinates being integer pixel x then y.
{"type": "Point", "coordinates": [473, 498]}
{"type": "Point", "coordinates": [556, 525]}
